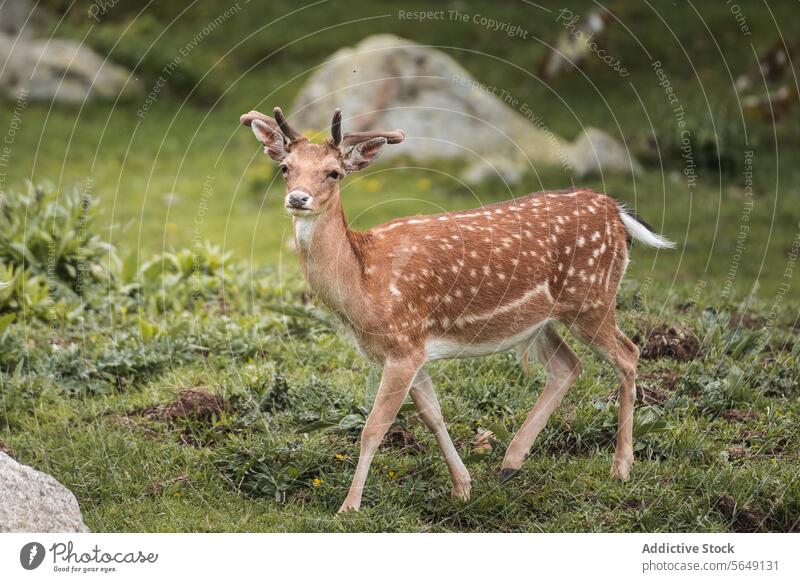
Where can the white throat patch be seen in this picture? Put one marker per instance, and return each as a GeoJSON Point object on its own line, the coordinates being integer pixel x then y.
{"type": "Point", "coordinates": [304, 229]}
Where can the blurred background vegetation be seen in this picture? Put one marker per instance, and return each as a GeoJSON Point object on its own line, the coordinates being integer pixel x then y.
{"type": "Point", "coordinates": [149, 172]}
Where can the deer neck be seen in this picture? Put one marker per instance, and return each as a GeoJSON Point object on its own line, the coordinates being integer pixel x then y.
{"type": "Point", "coordinates": [329, 260]}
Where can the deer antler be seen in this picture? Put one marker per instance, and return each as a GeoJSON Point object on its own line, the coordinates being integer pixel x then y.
{"type": "Point", "coordinates": [336, 127]}
{"type": "Point", "coordinates": [278, 124]}
{"type": "Point", "coordinates": [248, 118]}
{"type": "Point", "coordinates": [352, 138]}
{"type": "Point", "coordinates": [355, 137]}
{"type": "Point", "coordinates": [284, 126]}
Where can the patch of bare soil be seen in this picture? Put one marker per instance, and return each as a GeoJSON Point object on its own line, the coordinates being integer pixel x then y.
{"type": "Point", "coordinates": [735, 415]}
{"type": "Point", "coordinates": [778, 348]}
{"type": "Point", "coordinates": [746, 320]}
{"type": "Point", "coordinates": [749, 437]}
{"type": "Point", "coordinates": [744, 518]}
{"type": "Point", "coordinates": [4, 448]}
{"type": "Point", "coordinates": [192, 404]}
{"type": "Point", "coordinates": [678, 343]}
{"type": "Point", "coordinates": [737, 453]}
{"type": "Point", "coordinates": [652, 387]}
{"type": "Point", "coordinates": [402, 439]}
{"type": "Point", "coordinates": [634, 503]}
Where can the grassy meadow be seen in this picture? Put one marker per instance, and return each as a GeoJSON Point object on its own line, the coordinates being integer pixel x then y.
{"type": "Point", "coordinates": [160, 354]}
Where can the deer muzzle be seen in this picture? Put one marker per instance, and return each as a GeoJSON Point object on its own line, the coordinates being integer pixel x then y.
{"type": "Point", "coordinates": [297, 200]}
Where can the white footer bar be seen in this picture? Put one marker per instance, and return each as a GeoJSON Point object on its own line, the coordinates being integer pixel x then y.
{"type": "Point", "coordinates": [373, 557]}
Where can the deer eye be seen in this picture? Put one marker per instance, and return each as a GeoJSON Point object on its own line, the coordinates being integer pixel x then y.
{"type": "Point", "coordinates": [284, 169]}
{"type": "Point", "coordinates": [334, 174]}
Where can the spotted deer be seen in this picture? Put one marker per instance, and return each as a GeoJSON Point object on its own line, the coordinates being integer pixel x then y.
{"type": "Point", "coordinates": [460, 284]}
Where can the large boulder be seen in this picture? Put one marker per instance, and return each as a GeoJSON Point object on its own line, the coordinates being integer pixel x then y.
{"type": "Point", "coordinates": [387, 82]}
{"type": "Point", "coordinates": [59, 70]}
{"type": "Point", "coordinates": [20, 17]}
{"type": "Point", "coordinates": [32, 501]}
{"type": "Point", "coordinates": [594, 152]}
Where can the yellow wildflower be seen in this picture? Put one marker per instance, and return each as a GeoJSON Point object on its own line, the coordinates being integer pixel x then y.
{"type": "Point", "coordinates": [424, 184]}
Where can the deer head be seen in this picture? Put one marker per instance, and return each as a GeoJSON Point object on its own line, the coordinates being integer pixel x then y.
{"type": "Point", "coordinates": [312, 171]}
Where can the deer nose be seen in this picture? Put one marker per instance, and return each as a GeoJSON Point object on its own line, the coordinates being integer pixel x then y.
{"type": "Point", "coordinates": [297, 199]}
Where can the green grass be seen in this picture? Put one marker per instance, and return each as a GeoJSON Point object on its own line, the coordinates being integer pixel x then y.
{"type": "Point", "coordinates": [258, 466]}
{"type": "Point", "coordinates": [79, 388]}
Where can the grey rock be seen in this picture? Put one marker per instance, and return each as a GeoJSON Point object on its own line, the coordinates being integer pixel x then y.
{"type": "Point", "coordinates": [32, 501]}
{"type": "Point", "coordinates": [387, 82]}
{"type": "Point", "coordinates": [595, 152]}
{"type": "Point", "coordinates": [60, 70]}
{"type": "Point", "coordinates": [21, 17]}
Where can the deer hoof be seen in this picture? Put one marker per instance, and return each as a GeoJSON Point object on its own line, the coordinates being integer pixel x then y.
{"type": "Point", "coordinates": [507, 474]}
{"type": "Point", "coordinates": [461, 491]}
{"type": "Point", "coordinates": [621, 468]}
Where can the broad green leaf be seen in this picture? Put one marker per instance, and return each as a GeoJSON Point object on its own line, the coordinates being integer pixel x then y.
{"type": "Point", "coordinates": [5, 320]}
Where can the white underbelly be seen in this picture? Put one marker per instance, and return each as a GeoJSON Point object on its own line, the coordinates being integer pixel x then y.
{"type": "Point", "coordinates": [448, 347]}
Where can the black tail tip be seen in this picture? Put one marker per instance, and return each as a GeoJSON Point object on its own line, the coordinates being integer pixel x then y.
{"type": "Point", "coordinates": [641, 221]}
{"type": "Point", "coordinates": [507, 474]}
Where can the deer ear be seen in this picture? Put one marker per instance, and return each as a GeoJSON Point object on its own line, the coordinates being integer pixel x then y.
{"type": "Point", "coordinates": [272, 138]}
{"type": "Point", "coordinates": [363, 154]}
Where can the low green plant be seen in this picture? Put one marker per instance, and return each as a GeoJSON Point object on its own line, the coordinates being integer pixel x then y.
{"type": "Point", "coordinates": [50, 252]}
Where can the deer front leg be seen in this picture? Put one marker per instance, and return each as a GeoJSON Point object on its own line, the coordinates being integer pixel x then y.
{"type": "Point", "coordinates": [424, 397]}
{"type": "Point", "coordinates": [395, 384]}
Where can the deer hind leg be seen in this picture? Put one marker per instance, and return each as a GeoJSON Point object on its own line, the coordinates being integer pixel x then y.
{"type": "Point", "coordinates": [424, 397]}
{"type": "Point", "coordinates": [563, 368]}
{"type": "Point", "coordinates": [627, 358]}
{"type": "Point", "coordinates": [613, 346]}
